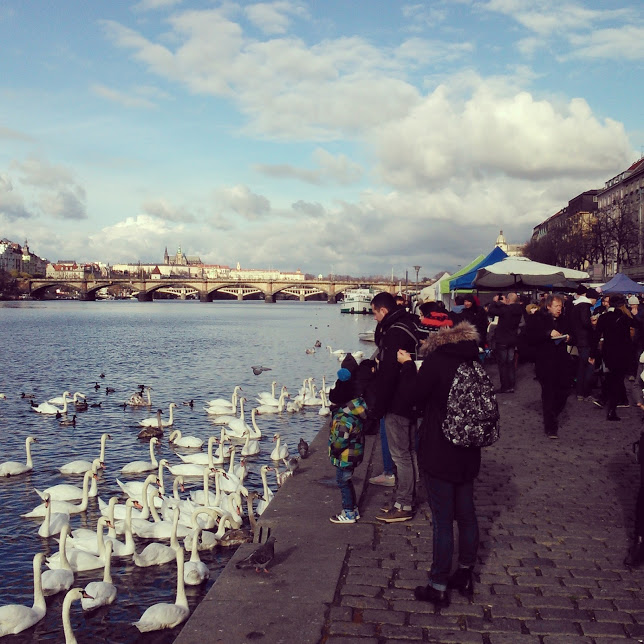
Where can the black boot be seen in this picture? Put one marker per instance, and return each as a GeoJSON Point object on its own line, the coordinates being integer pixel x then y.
{"type": "Point", "coordinates": [463, 581]}
{"type": "Point", "coordinates": [612, 415]}
{"type": "Point", "coordinates": [635, 556]}
{"type": "Point", "coordinates": [440, 598]}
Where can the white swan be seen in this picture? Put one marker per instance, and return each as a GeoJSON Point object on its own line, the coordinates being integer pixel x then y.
{"type": "Point", "coordinates": [161, 616]}
{"type": "Point", "coordinates": [82, 466]}
{"type": "Point", "coordinates": [272, 409]}
{"type": "Point", "coordinates": [208, 539]}
{"type": "Point", "coordinates": [79, 560]}
{"type": "Point", "coordinates": [60, 400]}
{"type": "Point", "coordinates": [200, 458]}
{"type": "Point", "coordinates": [13, 468]}
{"type": "Point", "coordinates": [55, 581]}
{"type": "Point", "coordinates": [280, 450]}
{"type": "Point", "coordinates": [63, 506]}
{"type": "Point", "coordinates": [267, 493]}
{"type": "Point", "coordinates": [101, 593]}
{"type": "Point", "coordinates": [67, 492]}
{"type": "Point", "coordinates": [157, 554]}
{"type": "Point", "coordinates": [53, 522]}
{"type": "Point", "coordinates": [154, 422]}
{"type": "Point", "coordinates": [195, 571]}
{"type": "Point", "coordinates": [137, 399]}
{"type": "Point", "coordinates": [206, 497]}
{"type": "Point", "coordinates": [256, 432]}
{"type": "Point", "coordinates": [223, 402]}
{"type": "Point", "coordinates": [324, 410]}
{"type": "Point", "coordinates": [268, 398]}
{"type": "Point", "coordinates": [159, 528]}
{"type": "Point", "coordinates": [184, 441]}
{"type": "Point", "coordinates": [72, 595]}
{"type": "Point", "coordinates": [15, 618]}
{"type": "Point", "coordinates": [238, 426]}
{"type": "Point", "coordinates": [137, 467]}
{"type": "Point", "coordinates": [48, 408]}
{"type": "Point", "coordinates": [250, 447]}
{"type": "Point", "coordinates": [232, 482]}
{"type": "Point", "coordinates": [134, 489]}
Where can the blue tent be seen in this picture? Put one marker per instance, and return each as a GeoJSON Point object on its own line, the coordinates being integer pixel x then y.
{"type": "Point", "coordinates": [621, 283]}
{"type": "Point", "coordinates": [466, 281]}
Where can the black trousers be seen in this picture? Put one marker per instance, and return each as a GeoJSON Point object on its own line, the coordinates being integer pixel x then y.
{"type": "Point", "coordinates": [553, 401]}
{"type": "Point", "coordinates": [615, 389]}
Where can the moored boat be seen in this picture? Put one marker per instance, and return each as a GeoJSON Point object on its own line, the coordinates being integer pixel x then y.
{"type": "Point", "coordinates": [357, 300]}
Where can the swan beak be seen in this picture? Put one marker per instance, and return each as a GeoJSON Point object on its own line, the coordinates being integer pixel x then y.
{"type": "Point", "coordinates": [138, 505]}
{"type": "Point", "coordinates": [182, 488]}
{"type": "Point", "coordinates": [109, 524]}
{"type": "Point", "coordinates": [102, 466]}
{"type": "Point", "coordinates": [86, 595]}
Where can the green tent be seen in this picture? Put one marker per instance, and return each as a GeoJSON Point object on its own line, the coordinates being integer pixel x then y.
{"type": "Point", "coordinates": [445, 283]}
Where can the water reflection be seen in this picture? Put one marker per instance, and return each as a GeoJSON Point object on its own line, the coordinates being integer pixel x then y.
{"type": "Point", "coordinates": [184, 351]}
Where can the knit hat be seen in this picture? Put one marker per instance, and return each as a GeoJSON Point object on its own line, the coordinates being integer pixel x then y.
{"type": "Point", "coordinates": [344, 375]}
{"type": "Point", "coordinates": [592, 294]}
{"type": "Point", "coordinates": [632, 300]}
{"type": "Point", "coordinates": [580, 290]}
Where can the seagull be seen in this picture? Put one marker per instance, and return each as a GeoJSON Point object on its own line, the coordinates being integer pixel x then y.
{"type": "Point", "coordinates": [260, 557]}
{"type": "Point", "coordinates": [303, 448]}
{"type": "Point", "coordinates": [258, 369]}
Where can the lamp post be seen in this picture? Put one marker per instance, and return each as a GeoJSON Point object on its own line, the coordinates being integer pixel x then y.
{"type": "Point", "coordinates": [417, 269]}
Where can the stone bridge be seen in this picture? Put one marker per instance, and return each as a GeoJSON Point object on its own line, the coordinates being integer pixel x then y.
{"type": "Point", "coordinates": [206, 287]}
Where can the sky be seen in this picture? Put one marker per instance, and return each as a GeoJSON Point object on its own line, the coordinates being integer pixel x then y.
{"type": "Point", "coordinates": [328, 136]}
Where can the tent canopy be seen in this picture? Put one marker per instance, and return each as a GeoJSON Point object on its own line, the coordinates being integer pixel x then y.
{"type": "Point", "coordinates": [472, 264]}
{"type": "Point", "coordinates": [621, 283]}
{"type": "Point", "coordinates": [466, 280]}
{"type": "Point", "coordinates": [517, 272]}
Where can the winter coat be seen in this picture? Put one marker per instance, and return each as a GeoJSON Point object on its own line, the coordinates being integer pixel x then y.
{"type": "Point", "coordinates": [614, 327]}
{"type": "Point", "coordinates": [507, 330]}
{"type": "Point", "coordinates": [552, 360]}
{"type": "Point", "coordinates": [443, 352]}
{"type": "Point", "coordinates": [436, 320]}
{"type": "Point", "coordinates": [582, 329]}
{"type": "Point", "coordinates": [346, 436]}
{"type": "Point", "coordinates": [386, 395]}
{"type": "Point", "coordinates": [478, 317]}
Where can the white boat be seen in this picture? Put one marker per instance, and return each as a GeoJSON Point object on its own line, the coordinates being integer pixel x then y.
{"type": "Point", "coordinates": [367, 336]}
{"type": "Point", "coordinates": [357, 300]}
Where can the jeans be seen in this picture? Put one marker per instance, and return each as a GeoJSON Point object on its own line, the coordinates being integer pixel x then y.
{"type": "Point", "coordinates": [449, 501]}
{"type": "Point", "coordinates": [343, 476]}
{"type": "Point", "coordinates": [401, 437]}
{"type": "Point", "coordinates": [584, 372]}
{"type": "Point", "coordinates": [505, 360]}
{"type": "Point", "coordinates": [387, 463]}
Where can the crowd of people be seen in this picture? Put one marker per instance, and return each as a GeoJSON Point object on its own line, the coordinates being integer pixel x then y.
{"type": "Point", "coordinates": [581, 340]}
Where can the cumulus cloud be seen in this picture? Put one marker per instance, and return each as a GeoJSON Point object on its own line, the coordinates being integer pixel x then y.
{"type": "Point", "coordinates": [162, 209]}
{"type": "Point", "coordinates": [623, 43]}
{"type": "Point", "coordinates": [65, 204]}
{"type": "Point", "coordinates": [273, 17]}
{"type": "Point", "coordinates": [12, 206]}
{"type": "Point", "coordinates": [243, 201]}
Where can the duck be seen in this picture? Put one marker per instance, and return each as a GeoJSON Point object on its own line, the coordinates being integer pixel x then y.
{"type": "Point", "coordinates": [101, 593]}
{"type": "Point", "coordinates": [267, 493]}
{"type": "Point", "coordinates": [15, 618]}
{"type": "Point", "coordinates": [53, 522]}
{"type": "Point", "coordinates": [64, 506]}
{"type": "Point", "coordinates": [27, 396]}
{"type": "Point", "coordinates": [82, 466]}
{"type": "Point", "coordinates": [13, 468]}
{"type": "Point", "coordinates": [68, 422]}
{"type": "Point", "coordinates": [156, 421]}
{"type": "Point", "coordinates": [67, 492]}
{"type": "Point", "coordinates": [48, 408]}
{"type": "Point", "coordinates": [56, 580]}
{"type": "Point", "coordinates": [184, 441]}
{"type": "Point", "coordinates": [280, 450]}
{"type": "Point", "coordinates": [81, 405]}
{"type": "Point", "coordinates": [109, 390]}
{"type": "Point", "coordinates": [137, 467]}
{"type": "Point", "coordinates": [164, 615]}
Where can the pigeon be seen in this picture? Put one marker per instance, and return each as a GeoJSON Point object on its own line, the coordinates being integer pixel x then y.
{"type": "Point", "coordinates": [303, 448]}
{"type": "Point", "coordinates": [258, 369]}
{"type": "Point", "coordinates": [260, 557]}
{"type": "Point", "coordinates": [291, 464]}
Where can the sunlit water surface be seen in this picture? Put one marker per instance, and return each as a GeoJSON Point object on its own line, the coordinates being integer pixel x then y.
{"type": "Point", "coordinates": [183, 350]}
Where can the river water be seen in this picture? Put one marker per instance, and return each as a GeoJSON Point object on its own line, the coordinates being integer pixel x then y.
{"type": "Point", "coordinates": [184, 350]}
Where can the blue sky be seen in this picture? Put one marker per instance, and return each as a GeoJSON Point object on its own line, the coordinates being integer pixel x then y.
{"type": "Point", "coordinates": [327, 136]}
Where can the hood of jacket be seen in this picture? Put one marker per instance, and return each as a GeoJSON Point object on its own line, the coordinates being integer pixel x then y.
{"type": "Point", "coordinates": [356, 407]}
{"type": "Point", "coordinates": [449, 337]}
{"type": "Point", "coordinates": [582, 300]}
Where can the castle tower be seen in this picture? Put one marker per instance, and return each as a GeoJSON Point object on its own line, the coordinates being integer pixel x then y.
{"type": "Point", "coordinates": [166, 257]}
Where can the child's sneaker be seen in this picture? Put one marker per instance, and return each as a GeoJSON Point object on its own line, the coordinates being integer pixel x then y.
{"type": "Point", "coordinates": [344, 517]}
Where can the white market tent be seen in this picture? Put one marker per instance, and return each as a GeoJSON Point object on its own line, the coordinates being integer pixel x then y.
{"type": "Point", "coordinates": [517, 272]}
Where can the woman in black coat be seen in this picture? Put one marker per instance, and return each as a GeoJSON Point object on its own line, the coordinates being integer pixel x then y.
{"type": "Point", "coordinates": [448, 471]}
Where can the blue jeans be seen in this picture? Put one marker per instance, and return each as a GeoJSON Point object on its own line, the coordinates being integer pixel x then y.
{"type": "Point", "coordinates": [387, 461]}
{"type": "Point", "coordinates": [343, 477]}
{"type": "Point", "coordinates": [584, 372]}
{"type": "Point", "coordinates": [449, 501]}
{"type": "Point", "coordinates": [505, 360]}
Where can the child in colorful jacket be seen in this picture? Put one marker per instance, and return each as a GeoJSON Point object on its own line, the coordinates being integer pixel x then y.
{"type": "Point", "coordinates": [346, 441]}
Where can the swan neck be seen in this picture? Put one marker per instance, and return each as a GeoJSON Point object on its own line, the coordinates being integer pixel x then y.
{"type": "Point", "coordinates": [153, 458]}
{"type": "Point", "coordinates": [107, 571]}
{"type": "Point", "coordinates": [194, 557]}
{"type": "Point", "coordinates": [70, 638]}
{"type": "Point", "coordinates": [102, 454]}
{"type": "Point", "coordinates": [181, 588]}
{"type": "Point", "coordinates": [39, 597]}
{"type": "Point", "coordinates": [28, 450]}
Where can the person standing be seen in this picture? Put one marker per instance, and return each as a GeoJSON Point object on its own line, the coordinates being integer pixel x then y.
{"type": "Point", "coordinates": [448, 471]}
{"type": "Point", "coordinates": [395, 330]}
{"type": "Point", "coordinates": [510, 313]}
{"type": "Point", "coordinates": [548, 333]}
{"type": "Point", "coordinates": [583, 335]}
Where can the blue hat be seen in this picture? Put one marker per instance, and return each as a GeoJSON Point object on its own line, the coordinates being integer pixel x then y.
{"type": "Point", "coordinates": [344, 375]}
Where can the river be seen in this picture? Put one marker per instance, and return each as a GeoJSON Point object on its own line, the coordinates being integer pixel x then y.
{"type": "Point", "coordinates": [184, 350]}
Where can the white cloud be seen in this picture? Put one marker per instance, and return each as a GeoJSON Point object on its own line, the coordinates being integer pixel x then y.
{"type": "Point", "coordinates": [12, 206]}
{"type": "Point", "coordinates": [152, 5]}
{"type": "Point", "coordinates": [243, 201]}
{"type": "Point", "coordinates": [65, 204]}
{"type": "Point", "coordinates": [623, 43]}
{"type": "Point", "coordinates": [162, 209]}
{"type": "Point", "coordinates": [121, 98]}
{"type": "Point", "coordinates": [273, 17]}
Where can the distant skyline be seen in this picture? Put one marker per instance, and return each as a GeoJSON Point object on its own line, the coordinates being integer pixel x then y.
{"type": "Point", "coordinates": [352, 138]}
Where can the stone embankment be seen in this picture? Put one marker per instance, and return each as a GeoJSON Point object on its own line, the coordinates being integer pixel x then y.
{"type": "Point", "coordinates": [555, 520]}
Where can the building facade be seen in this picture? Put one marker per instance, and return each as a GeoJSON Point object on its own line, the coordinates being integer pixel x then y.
{"type": "Point", "coordinates": [14, 257]}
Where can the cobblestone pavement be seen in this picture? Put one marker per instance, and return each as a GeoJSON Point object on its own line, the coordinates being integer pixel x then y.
{"type": "Point", "coordinates": [555, 520]}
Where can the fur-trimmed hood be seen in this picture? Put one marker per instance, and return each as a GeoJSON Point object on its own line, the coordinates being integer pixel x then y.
{"type": "Point", "coordinates": [463, 332]}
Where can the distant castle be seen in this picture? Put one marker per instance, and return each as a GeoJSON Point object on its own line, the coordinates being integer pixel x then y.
{"type": "Point", "coordinates": [180, 259]}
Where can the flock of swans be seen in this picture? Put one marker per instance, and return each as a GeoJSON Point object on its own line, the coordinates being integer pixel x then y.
{"type": "Point", "coordinates": [169, 522]}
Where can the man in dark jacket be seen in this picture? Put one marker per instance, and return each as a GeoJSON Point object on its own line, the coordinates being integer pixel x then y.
{"type": "Point", "coordinates": [395, 330]}
{"type": "Point", "coordinates": [547, 331]}
{"type": "Point", "coordinates": [583, 335]}
{"type": "Point", "coordinates": [448, 471]}
{"type": "Point", "coordinates": [506, 336]}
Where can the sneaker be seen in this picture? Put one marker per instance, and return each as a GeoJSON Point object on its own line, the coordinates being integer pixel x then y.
{"type": "Point", "coordinates": [356, 513]}
{"type": "Point", "coordinates": [388, 507]}
{"type": "Point", "coordinates": [598, 403]}
{"type": "Point", "coordinates": [343, 517]}
{"type": "Point", "coordinates": [554, 437]}
{"type": "Point", "coordinates": [396, 515]}
{"type": "Point", "coordinates": [387, 480]}
{"type": "Point", "coordinates": [623, 406]}
{"type": "Point", "coordinates": [580, 398]}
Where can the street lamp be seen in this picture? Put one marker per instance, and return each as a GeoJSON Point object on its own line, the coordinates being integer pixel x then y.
{"type": "Point", "coordinates": [417, 269]}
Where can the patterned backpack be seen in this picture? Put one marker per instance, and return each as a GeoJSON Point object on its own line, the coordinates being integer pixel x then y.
{"type": "Point", "coordinates": [472, 418]}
